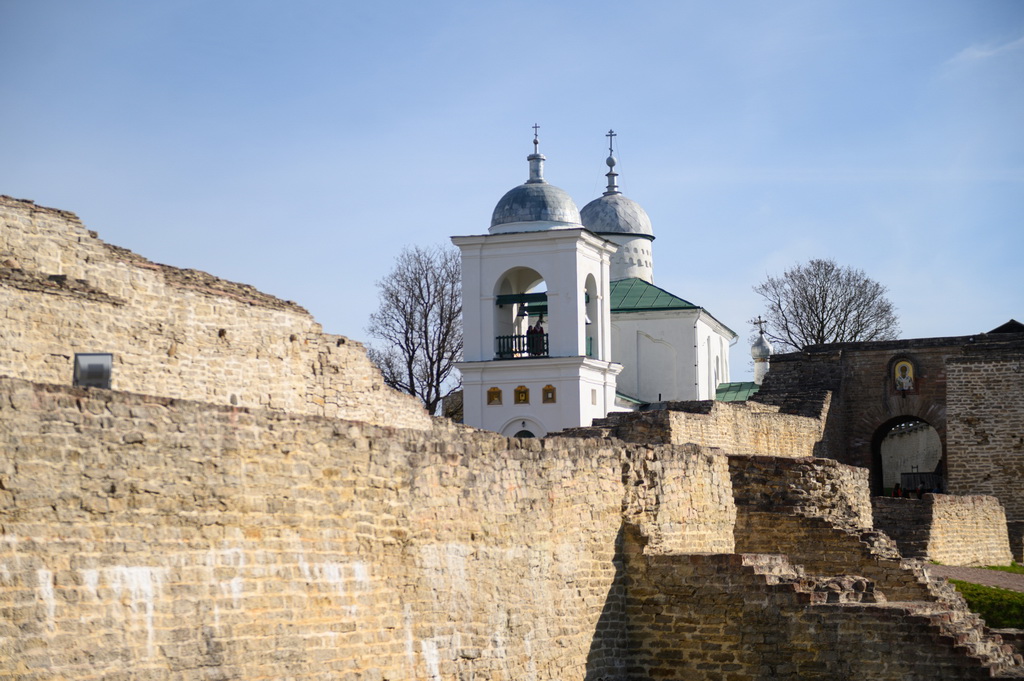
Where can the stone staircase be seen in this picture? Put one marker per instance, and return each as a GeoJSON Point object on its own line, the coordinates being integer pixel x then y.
{"type": "Point", "coordinates": [778, 571]}
{"type": "Point", "coordinates": [923, 600]}
{"type": "Point", "coordinates": [796, 625]}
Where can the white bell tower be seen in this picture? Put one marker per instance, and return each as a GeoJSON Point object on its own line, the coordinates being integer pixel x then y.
{"type": "Point", "coordinates": [536, 315]}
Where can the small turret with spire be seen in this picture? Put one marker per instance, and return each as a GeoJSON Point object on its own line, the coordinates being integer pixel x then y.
{"type": "Point", "coordinates": [761, 351]}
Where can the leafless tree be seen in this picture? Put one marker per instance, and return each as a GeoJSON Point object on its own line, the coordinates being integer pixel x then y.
{"type": "Point", "coordinates": [821, 302]}
{"type": "Point", "coordinates": [419, 324]}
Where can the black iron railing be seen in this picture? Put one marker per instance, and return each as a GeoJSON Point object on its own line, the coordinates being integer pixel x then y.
{"type": "Point", "coordinates": [528, 345]}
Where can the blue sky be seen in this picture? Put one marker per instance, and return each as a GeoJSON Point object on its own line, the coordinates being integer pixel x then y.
{"type": "Point", "coordinates": [297, 146]}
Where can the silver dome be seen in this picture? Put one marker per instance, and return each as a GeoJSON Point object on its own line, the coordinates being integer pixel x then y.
{"type": "Point", "coordinates": [535, 202]}
{"type": "Point", "coordinates": [613, 213]}
{"type": "Point", "coordinates": [761, 349]}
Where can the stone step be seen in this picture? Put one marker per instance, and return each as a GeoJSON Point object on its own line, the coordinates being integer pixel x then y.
{"type": "Point", "coordinates": [777, 570]}
{"type": "Point", "coordinates": [775, 567]}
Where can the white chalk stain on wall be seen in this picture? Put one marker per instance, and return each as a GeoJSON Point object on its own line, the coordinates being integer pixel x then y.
{"type": "Point", "coordinates": [141, 585]}
{"type": "Point", "coordinates": [343, 578]}
{"type": "Point", "coordinates": [234, 587]}
{"type": "Point", "coordinates": [444, 566]}
{"type": "Point", "coordinates": [12, 547]}
{"type": "Point", "coordinates": [47, 596]}
{"type": "Point", "coordinates": [410, 644]}
{"type": "Point", "coordinates": [361, 574]}
{"type": "Point", "coordinates": [432, 658]}
{"type": "Point", "coordinates": [91, 580]}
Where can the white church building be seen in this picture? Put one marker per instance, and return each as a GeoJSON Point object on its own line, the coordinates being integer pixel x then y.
{"type": "Point", "coordinates": [562, 322]}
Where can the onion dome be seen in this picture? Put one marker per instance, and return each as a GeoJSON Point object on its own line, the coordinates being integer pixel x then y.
{"type": "Point", "coordinates": [616, 214]}
{"type": "Point", "coordinates": [761, 349]}
{"type": "Point", "coordinates": [535, 201]}
{"type": "Point", "coordinates": [613, 213]}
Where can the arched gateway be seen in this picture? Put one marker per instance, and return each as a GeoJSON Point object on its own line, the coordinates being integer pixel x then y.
{"type": "Point", "coordinates": [957, 402]}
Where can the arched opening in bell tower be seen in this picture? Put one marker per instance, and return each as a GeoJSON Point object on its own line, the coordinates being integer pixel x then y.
{"type": "Point", "coordinates": [593, 323]}
{"type": "Point", "coordinates": [520, 315]}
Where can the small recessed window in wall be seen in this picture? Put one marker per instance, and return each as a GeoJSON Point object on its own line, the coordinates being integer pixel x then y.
{"type": "Point", "coordinates": [493, 396]}
{"type": "Point", "coordinates": [522, 395]}
{"type": "Point", "coordinates": [548, 396]}
{"type": "Point", "coordinates": [593, 396]}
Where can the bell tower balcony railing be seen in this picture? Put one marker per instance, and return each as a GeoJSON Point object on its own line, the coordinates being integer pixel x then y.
{"type": "Point", "coordinates": [528, 345]}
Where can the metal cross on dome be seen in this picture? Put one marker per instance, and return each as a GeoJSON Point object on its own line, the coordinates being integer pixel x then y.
{"type": "Point", "coordinates": [611, 134]}
{"type": "Point", "coordinates": [536, 140]}
{"type": "Point", "coordinates": [760, 324]}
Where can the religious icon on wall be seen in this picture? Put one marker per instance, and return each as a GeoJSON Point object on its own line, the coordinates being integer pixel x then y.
{"type": "Point", "coordinates": [903, 375]}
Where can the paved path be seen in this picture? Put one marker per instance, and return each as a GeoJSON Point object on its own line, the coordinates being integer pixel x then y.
{"type": "Point", "coordinates": [1003, 580]}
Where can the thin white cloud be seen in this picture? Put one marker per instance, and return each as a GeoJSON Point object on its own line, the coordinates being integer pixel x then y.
{"type": "Point", "coordinates": [977, 53]}
{"type": "Point", "coordinates": [829, 175]}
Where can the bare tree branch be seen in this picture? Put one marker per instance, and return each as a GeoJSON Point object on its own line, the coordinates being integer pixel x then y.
{"type": "Point", "coordinates": [821, 302]}
{"type": "Point", "coordinates": [419, 324]}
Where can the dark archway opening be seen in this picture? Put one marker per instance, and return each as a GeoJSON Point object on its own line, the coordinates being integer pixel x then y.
{"type": "Point", "coordinates": [907, 451]}
{"type": "Point", "coordinates": [524, 433]}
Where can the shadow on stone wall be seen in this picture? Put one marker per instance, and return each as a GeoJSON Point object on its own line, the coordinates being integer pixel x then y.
{"type": "Point", "coordinates": [606, 659]}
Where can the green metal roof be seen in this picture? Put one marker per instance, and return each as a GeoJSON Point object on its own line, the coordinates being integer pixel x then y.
{"type": "Point", "coordinates": [636, 295]}
{"type": "Point", "coordinates": [736, 392]}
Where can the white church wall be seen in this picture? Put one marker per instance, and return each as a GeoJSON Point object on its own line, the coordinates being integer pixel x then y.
{"type": "Point", "coordinates": [654, 348]}
{"type": "Point", "coordinates": [713, 356]}
{"type": "Point", "coordinates": [670, 355]}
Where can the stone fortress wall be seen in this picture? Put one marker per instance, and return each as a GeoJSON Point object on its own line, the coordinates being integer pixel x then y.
{"type": "Point", "coordinates": [153, 538]}
{"type": "Point", "coordinates": [173, 332]}
{"type": "Point", "coordinates": [986, 432]}
{"type": "Point", "coordinates": [147, 537]}
{"type": "Point", "coordinates": [181, 536]}
{"type": "Point", "coordinates": [738, 428]}
{"type": "Point", "coordinates": [953, 530]}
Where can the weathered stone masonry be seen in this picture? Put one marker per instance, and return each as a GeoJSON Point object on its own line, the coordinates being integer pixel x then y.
{"type": "Point", "coordinates": [970, 389]}
{"type": "Point", "coordinates": [173, 332]}
{"type": "Point", "coordinates": [147, 537]}
{"type": "Point", "coordinates": [152, 538]}
{"type": "Point", "coordinates": [953, 530]}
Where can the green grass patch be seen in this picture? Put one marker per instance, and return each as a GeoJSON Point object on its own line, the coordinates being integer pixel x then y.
{"type": "Point", "coordinates": [1000, 608]}
{"type": "Point", "coordinates": [1013, 567]}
